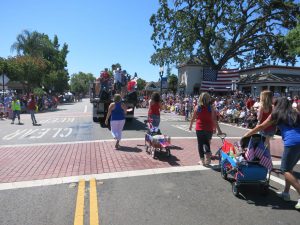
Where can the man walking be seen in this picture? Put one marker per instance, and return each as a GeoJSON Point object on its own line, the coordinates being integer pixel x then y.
{"type": "Point", "coordinates": [16, 108]}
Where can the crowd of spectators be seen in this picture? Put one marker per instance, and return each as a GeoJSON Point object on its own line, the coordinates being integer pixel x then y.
{"type": "Point", "coordinates": [45, 102]}
{"type": "Point", "coordinates": [238, 108]}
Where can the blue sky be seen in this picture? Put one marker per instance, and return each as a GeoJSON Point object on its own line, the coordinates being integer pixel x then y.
{"type": "Point", "coordinates": [99, 32]}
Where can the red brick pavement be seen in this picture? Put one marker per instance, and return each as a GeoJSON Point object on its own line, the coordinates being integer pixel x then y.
{"type": "Point", "coordinates": [22, 163]}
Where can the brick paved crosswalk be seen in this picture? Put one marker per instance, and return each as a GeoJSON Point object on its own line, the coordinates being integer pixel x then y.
{"type": "Point", "coordinates": [35, 162]}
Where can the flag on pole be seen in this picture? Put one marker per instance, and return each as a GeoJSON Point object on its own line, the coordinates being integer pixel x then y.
{"type": "Point", "coordinates": [221, 80]}
{"type": "Point", "coordinates": [261, 152]}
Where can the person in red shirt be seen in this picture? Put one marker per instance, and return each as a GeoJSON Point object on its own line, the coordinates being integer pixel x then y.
{"type": "Point", "coordinates": [131, 86]}
{"type": "Point", "coordinates": [154, 109]}
{"type": "Point", "coordinates": [31, 105]}
{"type": "Point", "coordinates": [250, 102]}
{"type": "Point", "coordinates": [206, 124]}
{"type": "Point", "coordinates": [264, 110]}
{"type": "Point", "coordinates": [104, 78]}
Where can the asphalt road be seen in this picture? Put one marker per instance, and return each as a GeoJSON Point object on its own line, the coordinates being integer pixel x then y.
{"type": "Point", "coordinates": [180, 198]}
{"type": "Point", "coordinates": [73, 122]}
{"type": "Point", "coordinates": [199, 197]}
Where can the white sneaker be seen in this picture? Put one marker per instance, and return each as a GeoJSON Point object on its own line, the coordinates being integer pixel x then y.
{"type": "Point", "coordinates": [297, 206]}
{"type": "Point", "coordinates": [285, 196]}
{"type": "Point", "coordinates": [202, 162]}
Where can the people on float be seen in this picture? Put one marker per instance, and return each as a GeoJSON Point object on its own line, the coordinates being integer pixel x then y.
{"type": "Point", "coordinates": [117, 80]}
{"type": "Point", "coordinates": [131, 85]}
{"type": "Point", "coordinates": [104, 79]}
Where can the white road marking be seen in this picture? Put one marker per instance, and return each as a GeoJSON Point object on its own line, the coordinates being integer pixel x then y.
{"type": "Point", "coordinates": [95, 141]}
{"type": "Point", "coordinates": [280, 181]}
{"type": "Point", "coordinates": [184, 127]}
{"type": "Point", "coordinates": [38, 133]}
{"type": "Point", "coordinates": [106, 176]}
{"type": "Point", "coordinates": [244, 128]}
{"type": "Point", "coordinates": [172, 118]}
{"type": "Point", "coordinates": [58, 120]}
{"type": "Point", "coordinates": [85, 109]}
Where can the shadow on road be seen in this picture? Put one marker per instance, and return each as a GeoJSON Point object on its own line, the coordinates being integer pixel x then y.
{"type": "Point", "coordinates": [135, 124]}
{"type": "Point", "coordinates": [172, 159]}
{"type": "Point", "coordinates": [51, 110]}
{"type": "Point", "coordinates": [129, 149]}
{"type": "Point", "coordinates": [251, 194]}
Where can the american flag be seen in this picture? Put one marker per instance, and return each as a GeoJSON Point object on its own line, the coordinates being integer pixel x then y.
{"type": "Point", "coordinates": [210, 74]}
{"type": "Point", "coordinates": [261, 152]}
{"type": "Point", "coordinates": [221, 80]}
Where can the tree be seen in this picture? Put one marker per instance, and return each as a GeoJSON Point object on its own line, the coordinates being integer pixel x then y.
{"type": "Point", "coordinates": [173, 83]}
{"type": "Point", "coordinates": [141, 84]}
{"type": "Point", "coordinates": [216, 31]}
{"type": "Point", "coordinates": [56, 81]}
{"type": "Point", "coordinates": [28, 70]}
{"type": "Point", "coordinates": [80, 82]}
{"type": "Point", "coordinates": [3, 65]}
{"type": "Point", "coordinates": [292, 41]}
{"type": "Point", "coordinates": [40, 47]}
{"type": "Point", "coordinates": [29, 43]}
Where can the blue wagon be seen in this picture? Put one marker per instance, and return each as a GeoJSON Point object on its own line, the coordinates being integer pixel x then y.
{"type": "Point", "coordinates": [243, 172]}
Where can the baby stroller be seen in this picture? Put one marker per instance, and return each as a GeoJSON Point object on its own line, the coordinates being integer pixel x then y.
{"type": "Point", "coordinates": [155, 141]}
{"type": "Point", "coordinates": [247, 163]}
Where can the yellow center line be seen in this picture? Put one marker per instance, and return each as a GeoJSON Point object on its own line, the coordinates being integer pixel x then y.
{"type": "Point", "coordinates": [78, 219]}
{"type": "Point", "coordinates": [94, 220]}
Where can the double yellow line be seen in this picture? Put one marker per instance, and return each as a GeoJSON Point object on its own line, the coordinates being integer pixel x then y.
{"type": "Point", "coordinates": [79, 212]}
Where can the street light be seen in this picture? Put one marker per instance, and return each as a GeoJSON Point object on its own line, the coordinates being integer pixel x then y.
{"type": "Point", "coordinates": [161, 73]}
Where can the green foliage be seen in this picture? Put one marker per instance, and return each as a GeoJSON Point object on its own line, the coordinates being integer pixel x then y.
{"type": "Point", "coordinates": [38, 92]}
{"type": "Point", "coordinates": [172, 83]}
{"type": "Point", "coordinates": [40, 62]}
{"type": "Point", "coordinates": [28, 70]}
{"type": "Point", "coordinates": [57, 81]}
{"type": "Point", "coordinates": [3, 65]}
{"type": "Point", "coordinates": [215, 32]}
{"type": "Point", "coordinates": [80, 82]}
{"type": "Point", "coordinates": [141, 84]}
{"type": "Point", "coordinates": [293, 41]}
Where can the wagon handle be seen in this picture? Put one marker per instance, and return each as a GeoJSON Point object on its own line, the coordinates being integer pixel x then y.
{"type": "Point", "coordinates": [222, 136]}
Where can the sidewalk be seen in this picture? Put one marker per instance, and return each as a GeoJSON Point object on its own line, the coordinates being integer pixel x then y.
{"type": "Point", "coordinates": [36, 162]}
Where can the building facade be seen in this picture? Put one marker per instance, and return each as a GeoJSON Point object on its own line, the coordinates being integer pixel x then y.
{"type": "Point", "coordinates": [283, 80]}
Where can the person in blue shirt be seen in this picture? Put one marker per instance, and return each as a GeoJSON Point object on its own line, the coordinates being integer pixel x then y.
{"type": "Point", "coordinates": [117, 111]}
{"type": "Point", "coordinates": [287, 120]}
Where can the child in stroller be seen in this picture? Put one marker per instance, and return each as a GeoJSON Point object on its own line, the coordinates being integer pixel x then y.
{"type": "Point", "coordinates": [155, 141]}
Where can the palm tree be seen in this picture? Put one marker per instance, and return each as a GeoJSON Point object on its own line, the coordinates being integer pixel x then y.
{"type": "Point", "coordinates": [29, 43]}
